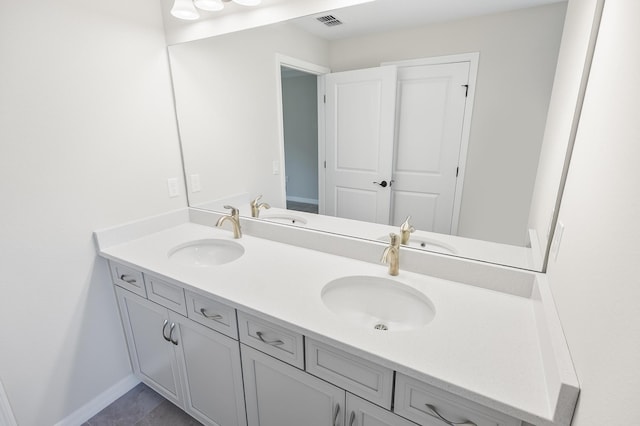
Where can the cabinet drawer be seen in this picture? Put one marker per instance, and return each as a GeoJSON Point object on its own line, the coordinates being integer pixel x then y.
{"type": "Point", "coordinates": [364, 413]}
{"type": "Point", "coordinates": [357, 375]}
{"type": "Point", "coordinates": [271, 339]}
{"type": "Point", "coordinates": [212, 314]}
{"type": "Point", "coordinates": [414, 397]}
{"type": "Point", "coordinates": [128, 278]}
{"type": "Point", "coordinates": [165, 294]}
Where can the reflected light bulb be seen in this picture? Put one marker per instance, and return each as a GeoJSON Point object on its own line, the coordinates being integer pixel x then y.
{"type": "Point", "coordinates": [247, 2]}
{"type": "Point", "coordinates": [184, 9]}
{"type": "Point", "coordinates": [209, 5]}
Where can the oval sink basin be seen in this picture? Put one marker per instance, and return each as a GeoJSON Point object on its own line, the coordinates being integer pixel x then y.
{"type": "Point", "coordinates": [378, 303]}
{"type": "Point", "coordinates": [426, 244]}
{"type": "Point", "coordinates": [288, 219]}
{"type": "Point", "coordinates": [209, 252]}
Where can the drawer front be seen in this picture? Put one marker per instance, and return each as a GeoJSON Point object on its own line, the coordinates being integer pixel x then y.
{"type": "Point", "coordinates": [414, 399]}
{"type": "Point", "coordinates": [128, 278]}
{"type": "Point", "coordinates": [363, 413]}
{"type": "Point", "coordinates": [357, 375]}
{"type": "Point", "coordinates": [166, 294]}
{"type": "Point", "coordinates": [212, 314]}
{"type": "Point", "coordinates": [271, 339]}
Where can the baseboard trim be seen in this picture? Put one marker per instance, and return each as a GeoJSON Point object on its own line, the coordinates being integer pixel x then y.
{"type": "Point", "coordinates": [101, 401]}
{"type": "Point", "coordinates": [6, 414]}
{"type": "Point", "coordinates": [302, 200]}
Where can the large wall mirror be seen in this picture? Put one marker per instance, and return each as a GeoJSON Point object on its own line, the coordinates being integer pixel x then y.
{"type": "Point", "coordinates": [354, 119]}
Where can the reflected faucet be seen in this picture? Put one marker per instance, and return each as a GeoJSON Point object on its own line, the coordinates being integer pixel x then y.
{"type": "Point", "coordinates": [391, 254]}
{"type": "Point", "coordinates": [405, 231]}
{"type": "Point", "coordinates": [255, 207]}
{"type": "Point", "coordinates": [234, 217]}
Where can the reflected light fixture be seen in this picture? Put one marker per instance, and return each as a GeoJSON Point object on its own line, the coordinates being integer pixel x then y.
{"type": "Point", "coordinates": [186, 9]}
{"type": "Point", "coordinates": [209, 5]}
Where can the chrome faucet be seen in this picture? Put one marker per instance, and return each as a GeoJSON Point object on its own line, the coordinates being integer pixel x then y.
{"type": "Point", "coordinates": [255, 207]}
{"type": "Point", "coordinates": [234, 217]}
{"type": "Point", "coordinates": [405, 231]}
{"type": "Point", "coordinates": [391, 254]}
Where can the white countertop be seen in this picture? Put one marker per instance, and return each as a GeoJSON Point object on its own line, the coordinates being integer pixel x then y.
{"type": "Point", "coordinates": [483, 345]}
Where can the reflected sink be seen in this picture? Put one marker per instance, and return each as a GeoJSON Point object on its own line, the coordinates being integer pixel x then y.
{"type": "Point", "coordinates": [210, 252]}
{"type": "Point", "coordinates": [425, 244]}
{"type": "Point", "coordinates": [289, 219]}
{"type": "Point", "coordinates": [378, 303]}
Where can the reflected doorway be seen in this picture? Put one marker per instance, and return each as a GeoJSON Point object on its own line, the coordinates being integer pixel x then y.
{"type": "Point", "coordinates": [300, 131]}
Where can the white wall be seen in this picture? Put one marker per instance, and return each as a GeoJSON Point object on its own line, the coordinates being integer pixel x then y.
{"type": "Point", "coordinates": [596, 278]}
{"type": "Point", "coordinates": [518, 54]}
{"type": "Point", "coordinates": [576, 50]}
{"type": "Point", "coordinates": [227, 109]}
{"type": "Point", "coordinates": [87, 140]}
{"type": "Point", "coordinates": [300, 109]}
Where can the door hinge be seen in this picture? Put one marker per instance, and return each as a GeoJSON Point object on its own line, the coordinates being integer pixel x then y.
{"type": "Point", "coordinates": [457, 171]}
{"type": "Point", "coordinates": [466, 93]}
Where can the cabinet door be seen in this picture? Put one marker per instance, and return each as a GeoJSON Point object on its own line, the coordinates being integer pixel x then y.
{"type": "Point", "coordinates": [212, 375]}
{"type": "Point", "coordinates": [281, 395]}
{"type": "Point", "coordinates": [147, 328]}
{"type": "Point", "coordinates": [363, 413]}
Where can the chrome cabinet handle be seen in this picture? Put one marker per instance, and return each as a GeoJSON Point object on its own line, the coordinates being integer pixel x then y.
{"type": "Point", "coordinates": [214, 317]}
{"type": "Point", "coordinates": [164, 327]}
{"type": "Point", "coordinates": [352, 418]}
{"type": "Point", "coordinates": [175, 342]}
{"type": "Point", "coordinates": [269, 342]}
{"type": "Point", "coordinates": [335, 415]}
{"type": "Point", "coordinates": [128, 279]}
{"type": "Point", "coordinates": [449, 422]}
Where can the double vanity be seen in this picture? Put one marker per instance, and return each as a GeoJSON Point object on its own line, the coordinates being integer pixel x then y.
{"type": "Point", "coordinates": [291, 327]}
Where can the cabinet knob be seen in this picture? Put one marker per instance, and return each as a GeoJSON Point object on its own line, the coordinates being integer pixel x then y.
{"type": "Point", "coordinates": [335, 415]}
{"type": "Point", "coordinates": [214, 316]}
{"type": "Point", "coordinates": [128, 279]}
{"type": "Point", "coordinates": [175, 342]}
{"type": "Point", "coordinates": [269, 342]}
{"type": "Point", "coordinates": [164, 327]}
{"type": "Point", "coordinates": [352, 419]}
{"type": "Point", "coordinates": [449, 422]}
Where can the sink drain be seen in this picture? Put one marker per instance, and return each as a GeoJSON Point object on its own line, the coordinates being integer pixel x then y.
{"type": "Point", "coordinates": [381, 327]}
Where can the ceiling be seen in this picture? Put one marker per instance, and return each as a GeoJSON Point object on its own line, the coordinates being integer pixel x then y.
{"type": "Point", "coordinates": [387, 15]}
{"type": "Point", "coordinates": [364, 18]}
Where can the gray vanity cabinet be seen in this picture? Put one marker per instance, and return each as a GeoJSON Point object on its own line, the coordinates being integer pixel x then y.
{"type": "Point", "coordinates": [278, 394]}
{"type": "Point", "coordinates": [196, 368]}
{"type": "Point", "coordinates": [146, 326]}
{"type": "Point", "coordinates": [212, 374]}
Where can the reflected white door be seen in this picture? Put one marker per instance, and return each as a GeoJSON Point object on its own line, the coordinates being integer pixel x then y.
{"type": "Point", "coordinates": [360, 115]}
{"type": "Point", "coordinates": [430, 114]}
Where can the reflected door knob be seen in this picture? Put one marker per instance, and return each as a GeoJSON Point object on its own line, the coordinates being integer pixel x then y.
{"type": "Point", "coordinates": [382, 184]}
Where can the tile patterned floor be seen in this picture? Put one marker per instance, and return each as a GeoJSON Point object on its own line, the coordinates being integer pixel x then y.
{"type": "Point", "coordinates": [141, 406]}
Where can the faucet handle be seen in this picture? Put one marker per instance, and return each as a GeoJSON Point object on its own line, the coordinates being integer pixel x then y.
{"type": "Point", "coordinates": [255, 201]}
{"type": "Point", "coordinates": [406, 226]}
{"type": "Point", "coordinates": [234, 211]}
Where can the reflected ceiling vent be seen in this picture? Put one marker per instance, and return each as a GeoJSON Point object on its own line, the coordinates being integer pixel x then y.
{"type": "Point", "coordinates": [329, 20]}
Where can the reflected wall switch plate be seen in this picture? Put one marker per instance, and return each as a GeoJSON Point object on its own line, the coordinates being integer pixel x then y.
{"type": "Point", "coordinates": [195, 183]}
{"type": "Point", "coordinates": [557, 239]}
{"type": "Point", "coordinates": [276, 167]}
{"type": "Point", "coordinates": [172, 186]}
